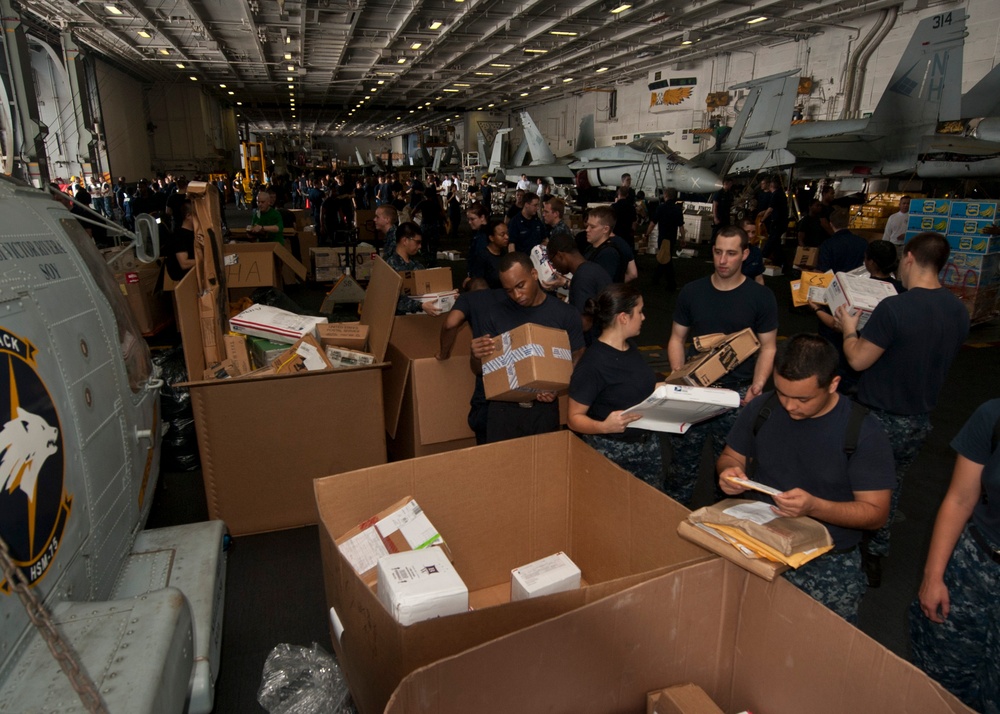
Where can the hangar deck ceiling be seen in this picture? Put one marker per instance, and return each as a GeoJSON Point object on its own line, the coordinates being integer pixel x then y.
{"type": "Point", "coordinates": [380, 67]}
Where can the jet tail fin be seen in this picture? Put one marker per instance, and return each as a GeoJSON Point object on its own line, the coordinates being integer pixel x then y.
{"type": "Point", "coordinates": [585, 136]}
{"type": "Point", "coordinates": [497, 156]}
{"type": "Point", "coordinates": [983, 100]}
{"type": "Point", "coordinates": [539, 148]}
{"type": "Point", "coordinates": [926, 85]}
{"type": "Point", "coordinates": [520, 154]}
{"type": "Point", "coordinates": [357, 152]}
{"type": "Point", "coordinates": [763, 122]}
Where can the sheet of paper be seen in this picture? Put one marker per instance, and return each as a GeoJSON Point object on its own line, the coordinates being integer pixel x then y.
{"type": "Point", "coordinates": [756, 486]}
{"type": "Point", "coordinates": [759, 513]}
{"type": "Point", "coordinates": [363, 550]}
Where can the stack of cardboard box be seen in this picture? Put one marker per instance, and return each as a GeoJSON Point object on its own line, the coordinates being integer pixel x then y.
{"type": "Point", "coordinates": [973, 268]}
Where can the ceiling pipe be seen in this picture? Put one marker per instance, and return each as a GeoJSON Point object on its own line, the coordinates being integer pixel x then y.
{"type": "Point", "coordinates": [854, 99]}
{"type": "Point", "coordinates": [850, 80]}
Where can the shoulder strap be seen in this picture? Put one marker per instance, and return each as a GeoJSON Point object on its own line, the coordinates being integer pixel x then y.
{"type": "Point", "coordinates": [762, 416]}
{"type": "Point", "coordinates": [995, 439]}
{"type": "Point", "coordinates": [854, 422]}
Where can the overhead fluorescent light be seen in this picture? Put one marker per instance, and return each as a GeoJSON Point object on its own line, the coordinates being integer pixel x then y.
{"type": "Point", "coordinates": [620, 8]}
{"type": "Point", "coordinates": [563, 33]}
{"type": "Point", "coordinates": [490, 106]}
{"type": "Point", "coordinates": [374, 89]}
{"type": "Point", "coordinates": [461, 84]}
{"type": "Point", "coordinates": [288, 55]}
{"type": "Point", "coordinates": [291, 79]}
{"type": "Point", "coordinates": [687, 42]}
{"type": "Point", "coordinates": [144, 34]}
{"type": "Point", "coordinates": [164, 51]}
{"type": "Point", "coordinates": [568, 79]}
{"type": "Point", "coordinates": [416, 45]}
{"type": "Point", "coordinates": [524, 94]}
{"type": "Point", "coordinates": [291, 68]}
{"type": "Point", "coordinates": [602, 69]}
{"type": "Point", "coordinates": [239, 104]}
{"type": "Point", "coordinates": [453, 90]}
{"type": "Point", "coordinates": [436, 25]}
{"type": "Point", "coordinates": [180, 65]}
{"type": "Point", "coordinates": [380, 82]}
{"type": "Point", "coordinates": [544, 87]}
{"type": "Point", "coordinates": [291, 86]}
{"type": "Point", "coordinates": [288, 40]}
{"type": "Point", "coordinates": [484, 74]}
{"type": "Point", "coordinates": [535, 52]}
{"type": "Point", "coordinates": [193, 78]}
{"type": "Point", "coordinates": [113, 9]}
{"type": "Point", "coordinates": [756, 20]}
{"type": "Point", "coordinates": [498, 64]}
{"type": "Point", "coordinates": [401, 60]}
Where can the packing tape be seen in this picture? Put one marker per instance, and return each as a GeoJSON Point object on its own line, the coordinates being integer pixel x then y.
{"type": "Point", "coordinates": [510, 357]}
{"type": "Point", "coordinates": [560, 353]}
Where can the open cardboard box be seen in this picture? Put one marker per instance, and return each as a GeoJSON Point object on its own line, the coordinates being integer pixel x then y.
{"type": "Point", "coordinates": [750, 644]}
{"type": "Point", "coordinates": [426, 400]}
{"type": "Point", "coordinates": [255, 265]}
{"type": "Point", "coordinates": [498, 507]}
{"type": "Point", "coordinates": [263, 440]}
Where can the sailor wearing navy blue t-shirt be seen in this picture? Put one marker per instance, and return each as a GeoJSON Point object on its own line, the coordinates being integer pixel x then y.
{"type": "Point", "coordinates": [800, 445]}
{"type": "Point", "coordinates": [908, 345]}
{"type": "Point", "coordinates": [726, 301]}
{"type": "Point", "coordinates": [525, 303]}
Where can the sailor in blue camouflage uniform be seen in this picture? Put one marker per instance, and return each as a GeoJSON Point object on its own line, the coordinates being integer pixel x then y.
{"type": "Point", "coordinates": [612, 376]}
{"type": "Point", "coordinates": [955, 621]}
{"type": "Point", "coordinates": [831, 460]}
{"type": "Point", "coordinates": [903, 353]}
{"type": "Point", "coordinates": [401, 259]}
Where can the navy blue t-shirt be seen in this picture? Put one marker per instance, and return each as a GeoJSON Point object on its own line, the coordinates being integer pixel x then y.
{"type": "Point", "coordinates": [484, 264]}
{"type": "Point", "coordinates": [525, 234]}
{"type": "Point", "coordinates": [842, 252]}
{"type": "Point", "coordinates": [607, 380]}
{"type": "Point", "coordinates": [588, 280]}
{"type": "Point", "coordinates": [921, 331]}
{"type": "Point", "coordinates": [507, 314]}
{"type": "Point", "coordinates": [809, 454]}
{"type": "Point", "coordinates": [973, 442]}
{"type": "Point", "coordinates": [476, 306]}
{"type": "Point", "coordinates": [613, 255]}
{"type": "Point", "coordinates": [704, 310]}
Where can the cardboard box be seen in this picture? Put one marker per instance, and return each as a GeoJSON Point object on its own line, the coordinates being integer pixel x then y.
{"type": "Point", "coordinates": [681, 699]}
{"type": "Point", "coordinates": [772, 271]}
{"type": "Point", "coordinates": [705, 369]}
{"type": "Point", "coordinates": [329, 264]}
{"type": "Point", "coordinates": [342, 357]}
{"type": "Point", "coordinates": [236, 350]}
{"type": "Point", "coordinates": [402, 526]}
{"type": "Point", "coordinates": [419, 585]}
{"type": "Point", "coordinates": [306, 355]}
{"type": "Point", "coordinates": [749, 644]}
{"type": "Point", "coordinates": [974, 209]}
{"type": "Point", "coordinates": [423, 282]}
{"type": "Point", "coordinates": [150, 308]}
{"type": "Point", "coordinates": [308, 239]}
{"type": "Point", "coordinates": [352, 335]}
{"type": "Point", "coordinates": [860, 295]}
{"type": "Point", "coordinates": [255, 265]}
{"type": "Point", "coordinates": [303, 218]}
{"type": "Point", "coordinates": [556, 573]}
{"type": "Point", "coordinates": [426, 399]}
{"type": "Point", "coordinates": [922, 223]}
{"type": "Point", "coordinates": [499, 506]}
{"type": "Point", "coordinates": [930, 206]}
{"type": "Point", "coordinates": [675, 408]}
{"type": "Point", "coordinates": [806, 257]}
{"type": "Point", "coordinates": [249, 483]}
{"type": "Point", "coordinates": [528, 359]}
{"type": "Point", "coordinates": [971, 270]}
{"type": "Point", "coordinates": [263, 351]}
{"type": "Point", "coordinates": [274, 324]}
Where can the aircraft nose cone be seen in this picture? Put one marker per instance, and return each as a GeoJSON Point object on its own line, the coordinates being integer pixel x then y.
{"type": "Point", "coordinates": [705, 181]}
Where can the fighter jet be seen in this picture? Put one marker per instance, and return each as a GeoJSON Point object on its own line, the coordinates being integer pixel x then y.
{"type": "Point", "coordinates": [650, 160]}
{"type": "Point", "coordinates": [373, 164]}
{"type": "Point", "coordinates": [139, 612]}
{"type": "Point", "coordinates": [924, 88]}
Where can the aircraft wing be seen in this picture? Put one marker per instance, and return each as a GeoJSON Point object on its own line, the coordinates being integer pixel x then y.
{"type": "Point", "coordinates": [764, 120]}
{"type": "Point", "coordinates": [958, 144]}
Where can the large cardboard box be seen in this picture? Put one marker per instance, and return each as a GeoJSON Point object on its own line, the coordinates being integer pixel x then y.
{"type": "Point", "coordinates": [716, 360]}
{"type": "Point", "coordinates": [151, 308]}
{"type": "Point", "coordinates": [857, 294]}
{"type": "Point", "coordinates": [497, 506]}
{"type": "Point", "coordinates": [426, 399]}
{"type": "Point", "coordinates": [254, 265]}
{"type": "Point", "coordinates": [528, 359]}
{"type": "Point", "coordinates": [806, 257]}
{"type": "Point", "coordinates": [352, 335]}
{"type": "Point", "coordinates": [264, 439]}
{"type": "Point", "coordinates": [681, 699]}
{"type": "Point", "coordinates": [424, 282]}
{"type": "Point", "coordinates": [751, 645]}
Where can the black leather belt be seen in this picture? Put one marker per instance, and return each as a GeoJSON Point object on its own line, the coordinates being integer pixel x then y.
{"type": "Point", "coordinates": [984, 544]}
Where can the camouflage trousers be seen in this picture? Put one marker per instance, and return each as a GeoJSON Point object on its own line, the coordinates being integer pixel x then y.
{"type": "Point", "coordinates": [640, 458]}
{"type": "Point", "coordinates": [963, 653]}
{"type": "Point", "coordinates": [835, 580]}
{"type": "Point", "coordinates": [907, 434]}
{"type": "Point", "coordinates": [685, 463]}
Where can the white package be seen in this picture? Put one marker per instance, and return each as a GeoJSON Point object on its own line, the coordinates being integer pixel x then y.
{"type": "Point", "coordinates": [553, 574]}
{"type": "Point", "coordinates": [418, 585]}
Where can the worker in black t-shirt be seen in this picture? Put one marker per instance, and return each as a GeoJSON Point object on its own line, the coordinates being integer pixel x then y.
{"type": "Point", "coordinates": [612, 376]}
{"type": "Point", "coordinates": [526, 303]}
{"type": "Point", "coordinates": [724, 302]}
